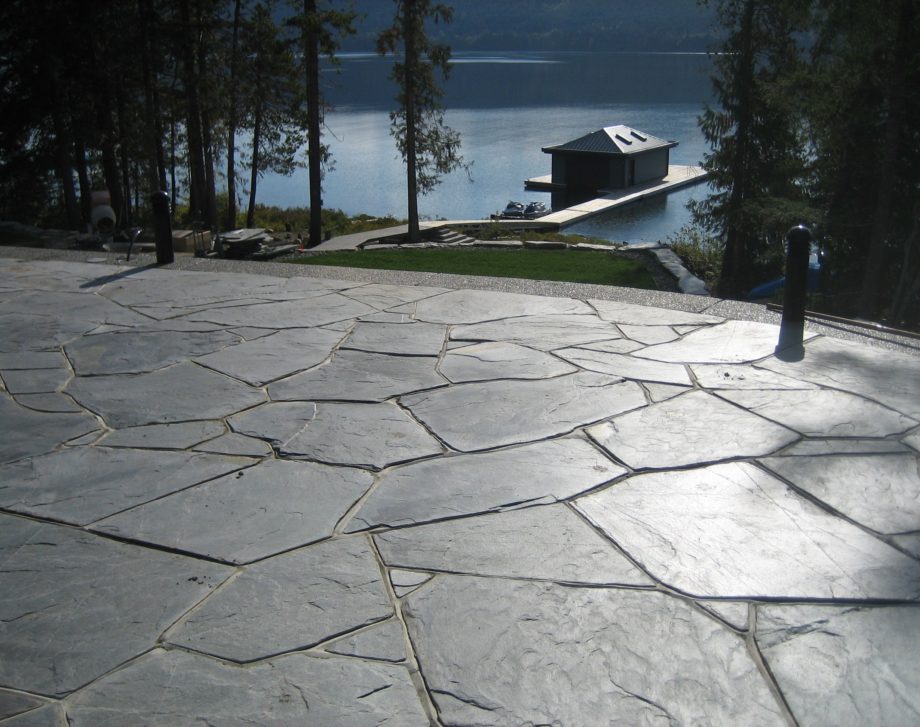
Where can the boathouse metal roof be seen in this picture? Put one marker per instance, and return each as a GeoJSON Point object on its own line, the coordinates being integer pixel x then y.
{"type": "Point", "coordinates": [619, 140]}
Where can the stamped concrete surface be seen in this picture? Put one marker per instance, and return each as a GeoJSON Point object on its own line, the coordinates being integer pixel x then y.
{"type": "Point", "coordinates": [237, 499]}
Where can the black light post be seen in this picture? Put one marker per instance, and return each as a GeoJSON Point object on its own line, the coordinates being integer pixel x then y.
{"type": "Point", "coordinates": [792, 329]}
{"type": "Point", "coordinates": [159, 201]}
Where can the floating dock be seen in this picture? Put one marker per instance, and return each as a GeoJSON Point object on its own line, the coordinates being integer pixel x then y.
{"type": "Point", "coordinates": [609, 199]}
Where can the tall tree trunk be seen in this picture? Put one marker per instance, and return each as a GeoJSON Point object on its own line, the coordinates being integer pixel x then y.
{"type": "Point", "coordinates": [123, 135]}
{"type": "Point", "coordinates": [314, 132]}
{"type": "Point", "coordinates": [254, 179]}
{"type": "Point", "coordinates": [870, 295]}
{"type": "Point", "coordinates": [64, 159]}
{"type": "Point", "coordinates": [155, 163]}
{"type": "Point", "coordinates": [210, 190]}
{"type": "Point", "coordinates": [732, 281]}
{"type": "Point", "coordinates": [409, 26]}
{"type": "Point", "coordinates": [232, 117]}
{"type": "Point", "coordinates": [197, 195]}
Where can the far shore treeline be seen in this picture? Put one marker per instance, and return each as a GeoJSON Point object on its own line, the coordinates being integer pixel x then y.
{"type": "Point", "coordinates": [815, 116]}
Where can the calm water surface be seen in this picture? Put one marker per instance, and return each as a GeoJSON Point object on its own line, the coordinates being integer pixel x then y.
{"type": "Point", "coordinates": [506, 107]}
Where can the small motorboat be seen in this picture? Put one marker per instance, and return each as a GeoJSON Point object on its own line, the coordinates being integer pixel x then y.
{"type": "Point", "coordinates": [513, 210]}
{"type": "Point", "coordinates": [534, 210]}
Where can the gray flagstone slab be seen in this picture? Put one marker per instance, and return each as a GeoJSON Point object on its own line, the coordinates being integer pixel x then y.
{"type": "Point", "coordinates": [74, 605]}
{"type": "Point", "coordinates": [290, 602]}
{"type": "Point", "coordinates": [83, 484]}
{"type": "Point", "coordinates": [478, 416]}
{"type": "Point", "coordinates": [845, 446]}
{"type": "Point", "coordinates": [181, 435]}
{"type": "Point", "coordinates": [627, 367]}
{"type": "Point", "coordinates": [689, 429]}
{"type": "Point", "coordinates": [649, 335]}
{"type": "Point", "coordinates": [891, 378]}
{"type": "Point", "coordinates": [484, 361]}
{"type": "Point", "coordinates": [450, 487]}
{"type": "Point", "coordinates": [277, 421]}
{"type": "Point", "coordinates": [27, 432]}
{"type": "Point", "coordinates": [383, 297]}
{"type": "Point", "coordinates": [274, 356]}
{"type": "Point", "coordinates": [822, 412]}
{"type": "Point", "coordinates": [913, 440]}
{"type": "Point", "coordinates": [416, 339]}
{"type": "Point", "coordinates": [183, 392]}
{"type": "Point", "coordinates": [547, 543]}
{"type": "Point", "coordinates": [170, 688]}
{"type": "Point", "coordinates": [879, 491]}
{"type": "Point", "coordinates": [475, 306]}
{"type": "Point", "coordinates": [734, 531]}
{"type": "Point", "coordinates": [130, 352]}
{"type": "Point", "coordinates": [543, 332]}
{"type": "Point", "coordinates": [49, 715]}
{"type": "Point", "coordinates": [360, 376]}
{"type": "Point", "coordinates": [304, 313]}
{"type": "Point", "coordinates": [663, 392]}
{"type": "Point", "coordinates": [15, 702]}
{"type": "Point", "coordinates": [362, 435]}
{"type": "Point", "coordinates": [621, 345]}
{"type": "Point", "coordinates": [840, 665]}
{"type": "Point", "coordinates": [18, 360]}
{"type": "Point", "coordinates": [237, 444]}
{"type": "Point", "coordinates": [385, 641]}
{"type": "Point", "coordinates": [499, 652]}
{"type": "Point", "coordinates": [406, 581]}
{"type": "Point", "coordinates": [41, 381]}
{"type": "Point", "coordinates": [736, 614]}
{"type": "Point", "coordinates": [728, 342]}
{"type": "Point", "coordinates": [909, 543]}
{"type": "Point", "coordinates": [743, 376]}
{"type": "Point", "coordinates": [51, 402]}
{"type": "Point", "coordinates": [641, 315]}
{"type": "Point", "coordinates": [272, 507]}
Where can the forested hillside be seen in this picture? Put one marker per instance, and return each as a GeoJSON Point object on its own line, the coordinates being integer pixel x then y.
{"type": "Point", "coordinates": [656, 25]}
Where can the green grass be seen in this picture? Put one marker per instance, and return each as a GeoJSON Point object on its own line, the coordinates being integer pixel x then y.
{"type": "Point", "coordinates": [586, 266]}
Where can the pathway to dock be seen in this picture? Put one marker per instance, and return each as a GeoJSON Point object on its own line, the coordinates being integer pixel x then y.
{"type": "Point", "coordinates": [233, 498]}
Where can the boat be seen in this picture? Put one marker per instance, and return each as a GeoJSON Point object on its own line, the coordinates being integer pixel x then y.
{"type": "Point", "coordinates": [513, 210]}
{"type": "Point", "coordinates": [534, 210]}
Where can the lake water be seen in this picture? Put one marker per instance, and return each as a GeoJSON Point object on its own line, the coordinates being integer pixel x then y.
{"type": "Point", "coordinates": [506, 107]}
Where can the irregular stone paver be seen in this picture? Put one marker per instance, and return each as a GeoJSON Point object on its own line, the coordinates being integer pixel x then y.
{"type": "Point", "coordinates": [274, 356]}
{"type": "Point", "coordinates": [913, 440]}
{"type": "Point", "coordinates": [406, 581]}
{"type": "Point", "coordinates": [729, 342]}
{"type": "Point", "coordinates": [383, 297]}
{"type": "Point", "coordinates": [180, 393]}
{"type": "Point", "coordinates": [21, 360]}
{"type": "Point", "coordinates": [548, 543]}
{"type": "Point", "coordinates": [845, 446]}
{"type": "Point", "coordinates": [50, 715]}
{"type": "Point", "coordinates": [621, 345]}
{"type": "Point", "coordinates": [27, 432]}
{"type": "Point", "coordinates": [287, 314]}
{"type": "Point", "coordinates": [543, 332]}
{"type": "Point", "coordinates": [690, 429]}
{"type": "Point", "coordinates": [909, 543]}
{"type": "Point", "coordinates": [54, 403]}
{"type": "Point", "coordinates": [248, 515]}
{"type": "Point", "coordinates": [484, 361]}
{"type": "Point", "coordinates": [841, 665]}
{"type": "Point", "coordinates": [130, 353]}
{"type": "Point", "coordinates": [735, 614]}
{"type": "Point", "coordinates": [181, 435]}
{"type": "Point", "coordinates": [238, 444]}
{"type": "Point", "coordinates": [481, 416]}
{"type": "Point", "coordinates": [383, 642]}
{"type": "Point", "coordinates": [546, 654]}
{"type": "Point", "coordinates": [289, 602]}
{"type": "Point", "coordinates": [733, 531]}
{"type": "Point", "coordinates": [42, 381]}
{"type": "Point", "coordinates": [15, 702]}
{"type": "Point", "coordinates": [469, 306]}
{"type": "Point", "coordinates": [641, 315]}
{"type": "Point", "coordinates": [74, 605]}
{"type": "Point", "coordinates": [743, 376]}
{"type": "Point", "coordinates": [363, 435]}
{"type": "Point", "coordinates": [416, 339]}
{"type": "Point", "coordinates": [891, 378]}
{"type": "Point", "coordinates": [360, 376]}
{"type": "Point", "coordinates": [169, 688]}
{"type": "Point", "coordinates": [82, 484]}
{"type": "Point", "coordinates": [822, 413]}
{"type": "Point", "coordinates": [663, 392]}
{"type": "Point", "coordinates": [451, 487]}
{"type": "Point", "coordinates": [649, 335]}
{"type": "Point", "coordinates": [880, 491]}
{"type": "Point", "coordinates": [276, 422]}
{"type": "Point", "coordinates": [627, 367]}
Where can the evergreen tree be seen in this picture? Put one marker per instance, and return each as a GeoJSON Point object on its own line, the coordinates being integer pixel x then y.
{"type": "Point", "coordinates": [756, 161]}
{"type": "Point", "coordinates": [428, 146]}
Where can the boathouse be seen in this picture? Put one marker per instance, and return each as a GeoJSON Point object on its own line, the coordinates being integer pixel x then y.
{"type": "Point", "coordinates": [615, 157]}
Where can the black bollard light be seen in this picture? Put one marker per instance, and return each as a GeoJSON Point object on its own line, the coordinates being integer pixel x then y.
{"type": "Point", "coordinates": [162, 228]}
{"type": "Point", "coordinates": [792, 328]}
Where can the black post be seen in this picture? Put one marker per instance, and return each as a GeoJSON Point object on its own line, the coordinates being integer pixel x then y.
{"type": "Point", "coordinates": [792, 328]}
{"type": "Point", "coordinates": [162, 228]}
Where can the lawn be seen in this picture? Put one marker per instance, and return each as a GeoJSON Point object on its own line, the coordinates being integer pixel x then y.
{"type": "Point", "coordinates": [581, 266]}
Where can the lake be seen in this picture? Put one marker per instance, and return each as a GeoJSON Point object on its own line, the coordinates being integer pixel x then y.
{"type": "Point", "coordinates": [507, 106]}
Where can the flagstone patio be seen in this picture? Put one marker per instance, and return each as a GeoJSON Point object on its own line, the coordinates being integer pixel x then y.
{"type": "Point", "coordinates": [230, 498]}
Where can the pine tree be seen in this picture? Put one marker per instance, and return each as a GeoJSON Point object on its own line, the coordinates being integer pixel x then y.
{"type": "Point", "coordinates": [428, 146]}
